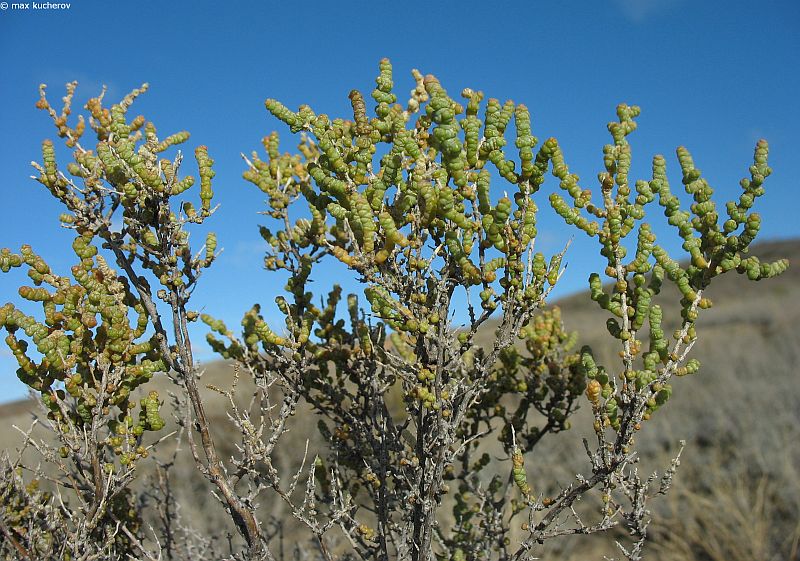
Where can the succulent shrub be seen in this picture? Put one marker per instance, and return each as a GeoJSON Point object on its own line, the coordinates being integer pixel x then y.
{"type": "Point", "coordinates": [403, 199]}
{"type": "Point", "coordinates": [100, 335]}
{"type": "Point", "coordinates": [412, 403]}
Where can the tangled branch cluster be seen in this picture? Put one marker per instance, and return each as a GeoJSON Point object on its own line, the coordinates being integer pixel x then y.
{"type": "Point", "coordinates": [405, 398]}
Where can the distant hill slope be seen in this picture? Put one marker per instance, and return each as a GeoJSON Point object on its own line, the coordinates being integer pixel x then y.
{"type": "Point", "coordinates": [740, 415]}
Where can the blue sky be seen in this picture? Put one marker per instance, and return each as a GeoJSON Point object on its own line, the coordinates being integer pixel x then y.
{"type": "Point", "coordinates": [713, 76]}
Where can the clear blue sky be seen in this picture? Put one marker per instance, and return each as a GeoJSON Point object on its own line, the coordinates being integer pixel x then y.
{"type": "Point", "coordinates": [714, 76]}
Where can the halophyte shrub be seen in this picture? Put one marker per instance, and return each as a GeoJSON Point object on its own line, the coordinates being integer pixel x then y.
{"type": "Point", "coordinates": [403, 197]}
